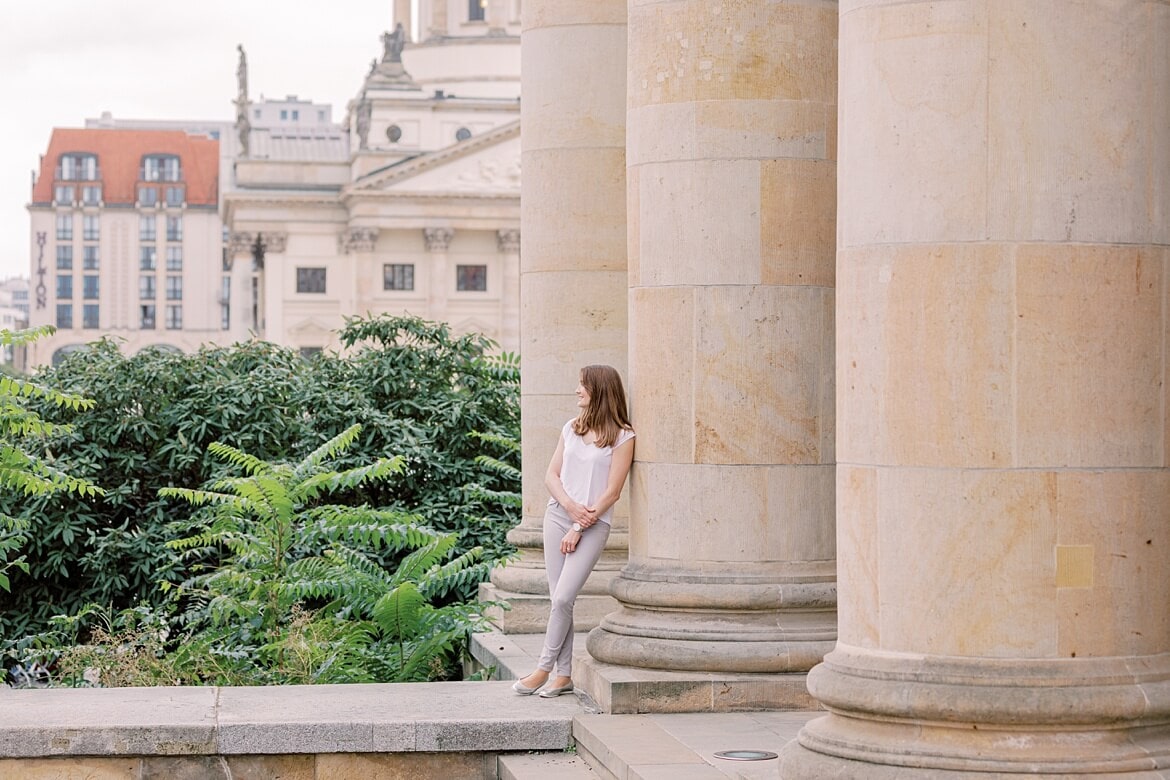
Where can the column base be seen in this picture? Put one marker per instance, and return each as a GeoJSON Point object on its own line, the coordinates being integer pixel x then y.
{"type": "Point", "coordinates": [623, 690]}
{"type": "Point", "coordinates": [529, 611]}
{"type": "Point", "coordinates": [910, 716]}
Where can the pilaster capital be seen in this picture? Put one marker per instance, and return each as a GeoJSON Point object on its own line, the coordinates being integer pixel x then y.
{"type": "Point", "coordinates": [358, 239]}
{"type": "Point", "coordinates": [438, 239]}
{"type": "Point", "coordinates": [240, 241]}
{"type": "Point", "coordinates": [508, 241]}
{"type": "Point", "coordinates": [274, 242]}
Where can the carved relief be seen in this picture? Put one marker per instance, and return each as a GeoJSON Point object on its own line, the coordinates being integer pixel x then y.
{"type": "Point", "coordinates": [240, 242]}
{"type": "Point", "coordinates": [358, 239]}
{"type": "Point", "coordinates": [508, 241]}
{"type": "Point", "coordinates": [438, 239]}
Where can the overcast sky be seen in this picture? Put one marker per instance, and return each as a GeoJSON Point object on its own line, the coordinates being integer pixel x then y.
{"type": "Point", "coordinates": [64, 61]}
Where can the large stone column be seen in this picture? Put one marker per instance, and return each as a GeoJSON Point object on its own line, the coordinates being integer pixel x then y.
{"type": "Point", "coordinates": [440, 280]}
{"type": "Point", "coordinates": [508, 242]}
{"type": "Point", "coordinates": [732, 112]}
{"type": "Point", "coordinates": [1004, 499]}
{"type": "Point", "coordinates": [572, 268]}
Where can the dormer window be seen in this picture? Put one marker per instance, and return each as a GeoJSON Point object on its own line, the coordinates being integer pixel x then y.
{"type": "Point", "coordinates": [77, 166]}
{"type": "Point", "coordinates": [161, 167]}
{"type": "Point", "coordinates": [475, 10]}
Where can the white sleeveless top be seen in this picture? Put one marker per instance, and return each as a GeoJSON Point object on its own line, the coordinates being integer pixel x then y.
{"type": "Point", "coordinates": [585, 468]}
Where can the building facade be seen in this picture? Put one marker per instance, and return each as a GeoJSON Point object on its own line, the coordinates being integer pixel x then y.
{"type": "Point", "coordinates": [127, 242]}
{"type": "Point", "coordinates": [413, 207]}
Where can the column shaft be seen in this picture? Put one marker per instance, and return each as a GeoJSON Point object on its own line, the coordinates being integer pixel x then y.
{"type": "Point", "coordinates": [731, 168]}
{"type": "Point", "coordinates": [572, 265]}
{"type": "Point", "coordinates": [1004, 497]}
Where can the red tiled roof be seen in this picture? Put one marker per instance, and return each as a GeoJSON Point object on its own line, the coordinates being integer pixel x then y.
{"type": "Point", "coordinates": [120, 153]}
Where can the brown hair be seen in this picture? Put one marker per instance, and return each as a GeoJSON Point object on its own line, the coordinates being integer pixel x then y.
{"type": "Point", "coordinates": [606, 413]}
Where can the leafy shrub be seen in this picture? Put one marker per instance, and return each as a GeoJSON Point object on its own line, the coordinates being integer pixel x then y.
{"type": "Point", "coordinates": [418, 392]}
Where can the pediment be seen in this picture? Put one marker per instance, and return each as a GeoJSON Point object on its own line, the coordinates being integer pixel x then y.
{"type": "Point", "coordinates": [488, 164]}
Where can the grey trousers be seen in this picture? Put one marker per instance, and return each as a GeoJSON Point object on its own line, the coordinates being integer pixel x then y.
{"type": "Point", "coordinates": [566, 577]}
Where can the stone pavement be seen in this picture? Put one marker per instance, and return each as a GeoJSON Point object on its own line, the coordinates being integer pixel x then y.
{"type": "Point", "coordinates": [640, 747]}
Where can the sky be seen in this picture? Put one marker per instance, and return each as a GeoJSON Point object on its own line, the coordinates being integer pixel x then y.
{"type": "Point", "coordinates": [65, 61]}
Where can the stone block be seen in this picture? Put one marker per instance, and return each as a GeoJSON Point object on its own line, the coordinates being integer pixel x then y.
{"type": "Point", "coordinates": [528, 613]}
{"type": "Point", "coordinates": [926, 355]}
{"type": "Point", "coordinates": [763, 379]}
{"type": "Point", "coordinates": [78, 768]}
{"type": "Point", "coordinates": [271, 767]}
{"type": "Point", "coordinates": [858, 564]}
{"type": "Point", "coordinates": [554, 13]}
{"type": "Point", "coordinates": [573, 208]}
{"type": "Point", "coordinates": [774, 51]}
{"type": "Point", "coordinates": [186, 768]}
{"type": "Point", "coordinates": [913, 140]}
{"type": "Point", "coordinates": [404, 766]}
{"type": "Point", "coordinates": [1099, 156]}
{"type": "Point", "coordinates": [1089, 334]}
{"type": "Point", "coordinates": [1121, 516]}
{"type": "Point", "coordinates": [798, 222]}
{"type": "Point", "coordinates": [699, 223]}
{"type": "Point", "coordinates": [580, 101]}
{"type": "Point", "coordinates": [982, 581]}
{"type": "Point", "coordinates": [661, 330]}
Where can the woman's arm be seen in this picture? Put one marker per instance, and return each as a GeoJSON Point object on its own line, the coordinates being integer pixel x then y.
{"type": "Point", "coordinates": [552, 480]}
{"type": "Point", "coordinates": [619, 468]}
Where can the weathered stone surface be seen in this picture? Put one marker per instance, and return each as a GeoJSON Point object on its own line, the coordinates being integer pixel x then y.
{"type": "Point", "coordinates": [404, 766]}
{"type": "Point", "coordinates": [80, 768]}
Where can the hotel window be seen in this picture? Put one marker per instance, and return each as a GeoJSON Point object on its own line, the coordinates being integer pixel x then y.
{"type": "Point", "coordinates": [397, 276]}
{"type": "Point", "coordinates": [89, 315]}
{"type": "Point", "coordinates": [296, 115]}
{"type": "Point", "coordinates": [63, 195]}
{"type": "Point", "coordinates": [174, 228]}
{"type": "Point", "coordinates": [175, 196]}
{"type": "Point", "coordinates": [147, 258]}
{"type": "Point", "coordinates": [64, 227]}
{"type": "Point", "coordinates": [161, 167]}
{"type": "Point", "coordinates": [310, 280]}
{"type": "Point", "coordinates": [148, 196]}
{"type": "Point", "coordinates": [89, 287]}
{"type": "Point", "coordinates": [64, 315]}
{"type": "Point", "coordinates": [320, 115]}
{"type": "Point", "coordinates": [174, 258]}
{"type": "Point", "coordinates": [90, 258]}
{"type": "Point", "coordinates": [475, 10]}
{"type": "Point", "coordinates": [146, 290]}
{"type": "Point", "coordinates": [174, 317]}
{"type": "Point", "coordinates": [64, 286]}
{"type": "Point", "coordinates": [174, 288]}
{"type": "Point", "coordinates": [91, 227]}
{"type": "Point", "coordinates": [77, 167]}
{"type": "Point", "coordinates": [283, 114]}
{"type": "Point", "coordinates": [91, 195]}
{"type": "Point", "coordinates": [146, 316]}
{"type": "Point", "coordinates": [147, 227]}
{"type": "Point", "coordinates": [471, 278]}
{"type": "Point", "coordinates": [64, 257]}
{"type": "Point", "coordinates": [255, 113]}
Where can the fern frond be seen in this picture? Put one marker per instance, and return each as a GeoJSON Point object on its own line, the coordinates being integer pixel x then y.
{"type": "Point", "coordinates": [350, 478]}
{"type": "Point", "coordinates": [397, 613]}
{"type": "Point", "coordinates": [414, 565]}
{"type": "Point", "coordinates": [314, 459]}
{"type": "Point", "coordinates": [249, 463]}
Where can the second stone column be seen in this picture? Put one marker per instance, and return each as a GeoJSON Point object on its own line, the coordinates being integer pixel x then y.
{"type": "Point", "coordinates": [731, 136]}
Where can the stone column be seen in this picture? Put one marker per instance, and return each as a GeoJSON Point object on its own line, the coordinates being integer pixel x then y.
{"type": "Point", "coordinates": [732, 172]}
{"type": "Point", "coordinates": [572, 268]}
{"type": "Point", "coordinates": [440, 281]}
{"type": "Point", "coordinates": [402, 14]}
{"type": "Point", "coordinates": [1004, 516]}
{"type": "Point", "coordinates": [508, 242]}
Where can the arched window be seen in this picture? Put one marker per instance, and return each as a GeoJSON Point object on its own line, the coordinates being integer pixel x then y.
{"type": "Point", "coordinates": [161, 167]}
{"type": "Point", "coordinates": [77, 166]}
{"type": "Point", "coordinates": [66, 351]}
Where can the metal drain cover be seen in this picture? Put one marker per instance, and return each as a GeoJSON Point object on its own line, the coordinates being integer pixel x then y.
{"type": "Point", "coordinates": [745, 755]}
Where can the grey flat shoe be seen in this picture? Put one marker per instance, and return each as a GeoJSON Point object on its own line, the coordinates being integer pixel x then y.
{"type": "Point", "coordinates": [549, 693]}
{"type": "Point", "coordinates": [525, 691]}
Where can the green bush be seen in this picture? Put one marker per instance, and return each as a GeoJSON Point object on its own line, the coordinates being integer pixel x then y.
{"type": "Point", "coordinates": [418, 392]}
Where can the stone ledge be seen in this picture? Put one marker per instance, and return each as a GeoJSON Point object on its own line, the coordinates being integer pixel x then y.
{"type": "Point", "coordinates": [529, 612]}
{"type": "Point", "coordinates": [419, 717]}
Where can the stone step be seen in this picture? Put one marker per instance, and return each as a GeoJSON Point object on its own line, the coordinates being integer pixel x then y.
{"type": "Point", "coordinates": [544, 766]}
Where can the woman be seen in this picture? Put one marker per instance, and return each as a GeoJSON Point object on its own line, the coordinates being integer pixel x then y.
{"type": "Point", "coordinates": [585, 479]}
